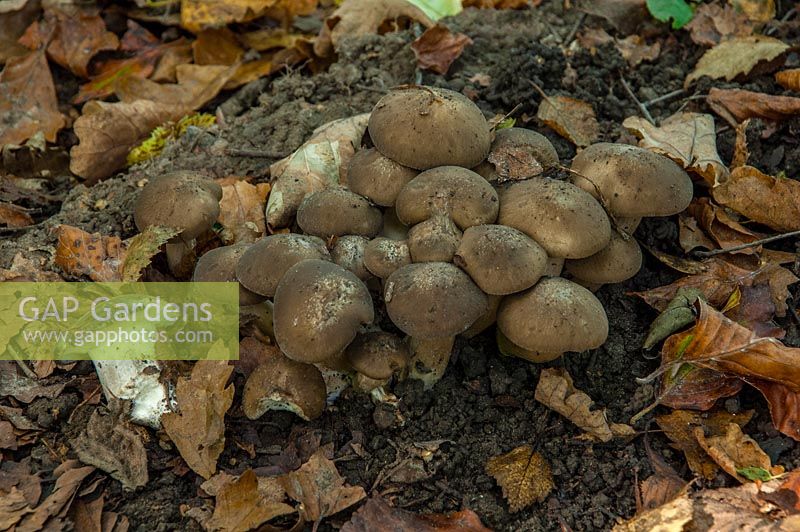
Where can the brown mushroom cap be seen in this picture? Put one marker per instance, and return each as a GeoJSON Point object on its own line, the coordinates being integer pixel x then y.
{"type": "Point", "coordinates": [337, 212]}
{"type": "Point", "coordinates": [319, 307]}
{"type": "Point", "coordinates": [634, 182]}
{"type": "Point", "coordinates": [183, 200]}
{"type": "Point", "coordinates": [265, 262]}
{"type": "Point", "coordinates": [382, 256]}
{"type": "Point", "coordinates": [348, 252]}
{"type": "Point", "coordinates": [376, 177]}
{"type": "Point", "coordinates": [620, 260]}
{"type": "Point", "coordinates": [501, 260]}
{"type": "Point", "coordinates": [565, 220]}
{"type": "Point", "coordinates": [509, 348]}
{"type": "Point", "coordinates": [426, 127]}
{"type": "Point", "coordinates": [434, 240]}
{"type": "Point", "coordinates": [378, 354]}
{"type": "Point", "coordinates": [433, 300]}
{"type": "Point", "coordinates": [517, 153]}
{"type": "Point", "coordinates": [219, 265]}
{"type": "Point", "coordinates": [555, 316]}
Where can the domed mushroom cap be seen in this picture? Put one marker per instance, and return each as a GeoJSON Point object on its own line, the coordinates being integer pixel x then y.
{"type": "Point", "coordinates": [265, 262]}
{"type": "Point", "coordinates": [377, 354]}
{"type": "Point", "coordinates": [376, 177]}
{"type": "Point", "coordinates": [425, 127]}
{"type": "Point", "coordinates": [555, 316]}
{"type": "Point", "coordinates": [517, 153]}
{"type": "Point", "coordinates": [433, 300]}
{"type": "Point", "coordinates": [634, 182]}
{"type": "Point", "coordinates": [434, 240]}
{"type": "Point", "coordinates": [219, 265]}
{"type": "Point", "coordinates": [565, 220]}
{"type": "Point", "coordinates": [501, 260]}
{"type": "Point", "coordinates": [382, 256]}
{"type": "Point", "coordinates": [460, 193]}
{"type": "Point", "coordinates": [620, 260]}
{"type": "Point", "coordinates": [183, 200]}
{"type": "Point", "coordinates": [348, 252]}
{"type": "Point", "coordinates": [319, 307]}
{"type": "Point", "coordinates": [337, 212]}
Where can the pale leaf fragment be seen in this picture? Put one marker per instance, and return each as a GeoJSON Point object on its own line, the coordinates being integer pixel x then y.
{"type": "Point", "coordinates": [571, 118]}
{"type": "Point", "coordinates": [523, 475]}
{"type": "Point", "coordinates": [736, 57]}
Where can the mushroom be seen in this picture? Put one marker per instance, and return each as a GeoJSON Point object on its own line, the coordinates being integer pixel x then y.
{"type": "Point", "coordinates": [267, 260]}
{"type": "Point", "coordinates": [620, 260]}
{"type": "Point", "coordinates": [555, 265]}
{"type": "Point", "coordinates": [444, 200]}
{"type": "Point", "coordinates": [319, 307]}
{"type": "Point", "coordinates": [338, 212]}
{"type": "Point", "coordinates": [376, 177]}
{"type": "Point", "coordinates": [565, 220]}
{"type": "Point", "coordinates": [425, 127]}
{"type": "Point", "coordinates": [382, 256]}
{"type": "Point", "coordinates": [348, 252]}
{"type": "Point", "coordinates": [183, 200]}
{"type": "Point", "coordinates": [517, 153]}
{"type": "Point", "coordinates": [377, 355]}
{"type": "Point", "coordinates": [553, 317]}
{"type": "Point", "coordinates": [632, 181]}
{"type": "Point", "coordinates": [432, 302]}
{"type": "Point", "coordinates": [219, 265]}
{"type": "Point", "coordinates": [501, 260]}
{"type": "Point", "coordinates": [487, 320]}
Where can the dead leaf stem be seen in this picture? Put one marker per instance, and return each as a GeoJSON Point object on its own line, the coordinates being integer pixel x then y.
{"type": "Point", "coordinates": [754, 243]}
{"type": "Point", "coordinates": [642, 107]}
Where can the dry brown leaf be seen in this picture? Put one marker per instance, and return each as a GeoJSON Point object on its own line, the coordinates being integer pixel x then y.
{"type": "Point", "coordinates": [784, 406]}
{"type": "Point", "coordinates": [740, 151]}
{"type": "Point", "coordinates": [736, 105]}
{"type": "Point", "coordinates": [14, 216]}
{"type": "Point", "coordinates": [759, 11]}
{"type": "Point", "coordinates": [625, 15]}
{"type": "Point", "coordinates": [241, 212]}
{"type": "Point", "coordinates": [199, 14]}
{"type": "Point", "coordinates": [634, 49]}
{"type": "Point", "coordinates": [198, 431]}
{"type": "Point", "coordinates": [789, 79]}
{"type": "Point", "coordinates": [216, 46]}
{"type": "Point", "coordinates": [735, 57]}
{"type": "Point", "coordinates": [108, 131]}
{"type": "Point", "coordinates": [320, 489]}
{"type": "Point", "coordinates": [438, 47]}
{"type": "Point", "coordinates": [556, 391]}
{"type": "Point", "coordinates": [69, 480]}
{"type": "Point", "coordinates": [713, 23]}
{"type": "Point", "coordinates": [572, 119]}
{"type": "Point", "coordinates": [80, 253]}
{"type": "Point", "coordinates": [734, 450]}
{"type": "Point", "coordinates": [164, 70]}
{"type": "Point", "coordinates": [660, 489]}
{"type": "Point", "coordinates": [523, 475]}
{"type": "Point", "coordinates": [362, 17]}
{"type": "Point", "coordinates": [721, 226]}
{"type": "Point", "coordinates": [240, 506]}
{"type": "Point", "coordinates": [772, 201]}
{"type": "Point", "coordinates": [377, 516]}
{"type": "Point", "coordinates": [87, 515]}
{"type": "Point", "coordinates": [689, 139]}
{"type": "Point", "coordinates": [28, 103]}
{"type": "Point", "coordinates": [13, 22]}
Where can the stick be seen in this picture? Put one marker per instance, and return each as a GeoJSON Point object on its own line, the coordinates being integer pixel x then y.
{"type": "Point", "coordinates": [235, 152]}
{"type": "Point", "coordinates": [633, 97]}
{"type": "Point", "coordinates": [575, 28]}
{"type": "Point", "coordinates": [664, 97]}
{"type": "Point", "coordinates": [754, 243]}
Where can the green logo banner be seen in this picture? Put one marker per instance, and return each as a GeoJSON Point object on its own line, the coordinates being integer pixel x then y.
{"type": "Point", "coordinates": [119, 321]}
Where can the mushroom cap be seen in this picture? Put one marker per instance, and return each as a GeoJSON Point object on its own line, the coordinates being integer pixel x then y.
{"type": "Point", "coordinates": [426, 127]}
{"type": "Point", "coordinates": [517, 153]}
{"type": "Point", "coordinates": [261, 267]}
{"type": "Point", "coordinates": [392, 227]}
{"type": "Point", "coordinates": [433, 300]}
{"type": "Point", "coordinates": [219, 265]}
{"type": "Point", "coordinates": [337, 212]}
{"type": "Point", "coordinates": [279, 383]}
{"type": "Point", "coordinates": [500, 259]}
{"type": "Point", "coordinates": [457, 192]}
{"type": "Point", "coordinates": [434, 240]}
{"type": "Point", "coordinates": [509, 348]}
{"type": "Point", "coordinates": [555, 316]}
{"type": "Point", "coordinates": [565, 220]}
{"type": "Point", "coordinates": [348, 252]}
{"type": "Point", "coordinates": [634, 182]}
{"type": "Point", "coordinates": [620, 260]}
{"type": "Point", "coordinates": [376, 177]}
{"type": "Point", "coordinates": [319, 307]}
{"type": "Point", "coordinates": [183, 200]}
{"type": "Point", "coordinates": [378, 354]}
{"type": "Point", "coordinates": [382, 256]}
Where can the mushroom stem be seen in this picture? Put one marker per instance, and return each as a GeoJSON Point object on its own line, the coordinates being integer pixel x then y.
{"type": "Point", "coordinates": [429, 358]}
{"type": "Point", "coordinates": [260, 315]}
{"type": "Point", "coordinates": [180, 257]}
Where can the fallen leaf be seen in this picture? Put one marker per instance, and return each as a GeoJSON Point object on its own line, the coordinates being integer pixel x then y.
{"type": "Point", "coordinates": [270, 38]}
{"type": "Point", "coordinates": [759, 11]}
{"type": "Point", "coordinates": [18, 475]}
{"type": "Point", "coordinates": [28, 103]}
{"type": "Point", "coordinates": [240, 506]}
{"type": "Point", "coordinates": [624, 15]}
{"type": "Point", "coordinates": [713, 23]}
{"type": "Point", "coordinates": [108, 131]}
{"type": "Point", "coordinates": [14, 216]}
{"type": "Point", "coordinates": [662, 486]}
{"type": "Point", "coordinates": [789, 79]}
{"type": "Point", "coordinates": [524, 476]}
{"type": "Point", "coordinates": [168, 62]}
{"type": "Point", "coordinates": [87, 515]}
{"type": "Point", "coordinates": [13, 22]}
{"type": "Point", "coordinates": [69, 480]}
{"type": "Point", "coordinates": [572, 119]}
{"type": "Point", "coordinates": [784, 406]}
{"type": "Point", "coordinates": [438, 47]}
{"type": "Point", "coordinates": [217, 46]}
{"type": "Point", "coordinates": [736, 105]}
{"type": "Point", "coordinates": [721, 226]}
{"type": "Point", "coordinates": [198, 14]}
{"type": "Point", "coordinates": [740, 151]}
{"type": "Point", "coordinates": [363, 17]}
{"type": "Point", "coordinates": [198, 430]}
{"type": "Point", "coordinates": [140, 250]}
{"type": "Point", "coordinates": [734, 450]}
{"type": "Point", "coordinates": [80, 253]}
{"type": "Point", "coordinates": [772, 201]}
{"type": "Point", "coordinates": [321, 162]}
{"type": "Point", "coordinates": [23, 388]}
{"type": "Point", "coordinates": [735, 57]}
{"type": "Point", "coordinates": [787, 496]}
{"type": "Point", "coordinates": [557, 392]}
{"type": "Point", "coordinates": [319, 488]}
{"type": "Point", "coordinates": [377, 516]}
{"type": "Point", "coordinates": [241, 212]}
{"type": "Point", "coordinates": [634, 49]}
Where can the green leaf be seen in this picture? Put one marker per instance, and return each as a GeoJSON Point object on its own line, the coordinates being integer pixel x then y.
{"type": "Point", "coordinates": [678, 10]}
{"type": "Point", "coordinates": [437, 9]}
{"type": "Point", "coordinates": [755, 473]}
{"type": "Point", "coordinates": [505, 124]}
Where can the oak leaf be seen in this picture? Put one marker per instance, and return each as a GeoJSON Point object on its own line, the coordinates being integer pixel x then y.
{"type": "Point", "coordinates": [438, 47]}
{"type": "Point", "coordinates": [772, 201]}
{"type": "Point", "coordinates": [241, 211]}
{"type": "Point", "coordinates": [523, 475]}
{"type": "Point", "coordinates": [377, 516]}
{"type": "Point", "coordinates": [735, 57]}
{"type": "Point", "coordinates": [241, 506]}
{"type": "Point", "coordinates": [737, 105]}
{"type": "Point", "coordinates": [571, 118]}
{"type": "Point", "coordinates": [733, 451]}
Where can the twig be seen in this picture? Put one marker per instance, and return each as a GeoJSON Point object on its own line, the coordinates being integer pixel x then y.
{"type": "Point", "coordinates": [663, 97]}
{"type": "Point", "coordinates": [633, 97]}
{"type": "Point", "coordinates": [754, 243]}
{"type": "Point", "coordinates": [575, 28]}
{"type": "Point", "coordinates": [237, 152]}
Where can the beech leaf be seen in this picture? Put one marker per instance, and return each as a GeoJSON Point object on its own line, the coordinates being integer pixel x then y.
{"type": "Point", "coordinates": [571, 118]}
{"type": "Point", "coordinates": [438, 47]}
{"type": "Point", "coordinates": [524, 476]}
{"type": "Point", "coordinates": [735, 57]}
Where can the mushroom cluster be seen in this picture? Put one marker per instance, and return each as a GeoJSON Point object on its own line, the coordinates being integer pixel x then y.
{"type": "Point", "coordinates": [442, 228]}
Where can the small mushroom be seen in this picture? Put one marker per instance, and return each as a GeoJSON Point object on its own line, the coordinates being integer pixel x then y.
{"type": "Point", "coordinates": [553, 317]}
{"type": "Point", "coordinates": [565, 220]}
{"type": "Point", "coordinates": [634, 182]}
{"type": "Point", "coordinates": [501, 260]}
{"type": "Point", "coordinates": [348, 252]}
{"type": "Point", "coordinates": [376, 177]}
{"type": "Point", "coordinates": [517, 153]}
{"type": "Point", "coordinates": [620, 260]}
{"type": "Point", "coordinates": [425, 127]}
{"type": "Point", "coordinates": [319, 307]}
{"type": "Point", "coordinates": [434, 240]}
{"type": "Point", "coordinates": [377, 355]}
{"type": "Point", "coordinates": [219, 265]}
{"type": "Point", "coordinates": [267, 260]}
{"type": "Point", "coordinates": [382, 256]}
{"type": "Point", "coordinates": [338, 212]}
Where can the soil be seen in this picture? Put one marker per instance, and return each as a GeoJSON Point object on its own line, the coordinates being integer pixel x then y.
{"type": "Point", "coordinates": [484, 406]}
